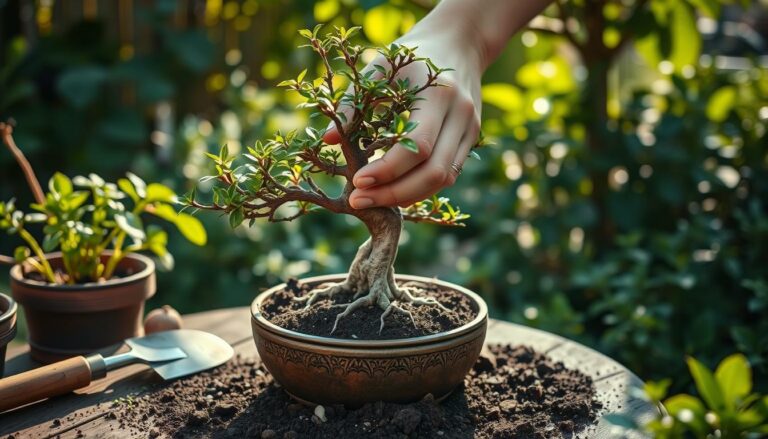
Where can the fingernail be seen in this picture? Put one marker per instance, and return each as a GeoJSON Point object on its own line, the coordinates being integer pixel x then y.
{"type": "Point", "coordinates": [361, 203]}
{"type": "Point", "coordinates": [364, 182]}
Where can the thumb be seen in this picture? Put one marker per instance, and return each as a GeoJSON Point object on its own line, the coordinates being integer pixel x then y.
{"type": "Point", "coordinates": [331, 136]}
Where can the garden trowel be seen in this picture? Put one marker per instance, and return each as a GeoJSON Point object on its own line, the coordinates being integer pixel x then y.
{"type": "Point", "coordinates": [172, 354]}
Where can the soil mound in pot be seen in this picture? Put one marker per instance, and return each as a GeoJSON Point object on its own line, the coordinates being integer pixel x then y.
{"type": "Point", "coordinates": [524, 395]}
{"type": "Point", "coordinates": [363, 324]}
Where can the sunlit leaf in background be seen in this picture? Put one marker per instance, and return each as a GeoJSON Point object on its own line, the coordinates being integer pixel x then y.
{"type": "Point", "coordinates": [734, 376]}
{"type": "Point", "coordinates": [552, 75]}
{"type": "Point", "coordinates": [382, 24]}
{"type": "Point", "coordinates": [648, 47]}
{"type": "Point", "coordinates": [686, 39]}
{"type": "Point", "coordinates": [504, 96]}
{"type": "Point", "coordinates": [326, 10]}
{"type": "Point", "coordinates": [721, 103]}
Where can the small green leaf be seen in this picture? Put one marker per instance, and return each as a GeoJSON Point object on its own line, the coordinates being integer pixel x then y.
{"type": "Point", "coordinates": [706, 384]}
{"type": "Point", "coordinates": [157, 240]}
{"type": "Point", "coordinates": [165, 212]}
{"type": "Point", "coordinates": [60, 184]}
{"type": "Point", "coordinates": [76, 199]}
{"type": "Point", "coordinates": [138, 184]}
{"type": "Point", "coordinates": [191, 228]}
{"type": "Point", "coordinates": [166, 261]}
{"type": "Point", "coordinates": [236, 217]}
{"type": "Point", "coordinates": [21, 254]}
{"type": "Point", "coordinates": [35, 218]}
{"type": "Point", "coordinates": [81, 181]}
{"type": "Point", "coordinates": [131, 225]}
{"type": "Point", "coordinates": [735, 379]}
{"type": "Point", "coordinates": [301, 75]}
{"type": "Point", "coordinates": [657, 390]}
{"type": "Point", "coordinates": [96, 180]}
{"type": "Point", "coordinates": [126, 186]}
{"type": "Point", "coordinates": [410, 145]}
{"type": "Point", "coordinates": [159, 192]}
{"type": "Point", "coordinates": [683, 401]}
{"type": "Point", "coordinates": [52, 241]}
{"type": "Point", "coordinates": [678, 405]}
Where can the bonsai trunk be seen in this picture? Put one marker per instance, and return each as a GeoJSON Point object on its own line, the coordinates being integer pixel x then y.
{"type": "Point", "coordinates": [371, 275]}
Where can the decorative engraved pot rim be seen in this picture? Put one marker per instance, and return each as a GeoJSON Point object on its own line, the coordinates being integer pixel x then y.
{"type": "Point", "coordinates": [479, 304]}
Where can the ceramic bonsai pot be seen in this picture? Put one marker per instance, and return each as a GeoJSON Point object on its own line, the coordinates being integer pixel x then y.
{"type": "Point", "coordinates": [69, 320]}
{"type": "Point", "coordinates": [7, 326]}
{"type": "Point", "coordinates": [325, 370]}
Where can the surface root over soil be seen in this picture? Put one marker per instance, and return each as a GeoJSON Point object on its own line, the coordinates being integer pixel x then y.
{"type": "Point", "coordinates": [434, 310]}
{"type": "Point", "coordinates": [525, 395]}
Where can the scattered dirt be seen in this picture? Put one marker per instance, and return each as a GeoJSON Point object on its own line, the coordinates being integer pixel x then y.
{"type": "Point", "coordinates": [364, 323]}
{"type": "Point", "coordinates": [512, 392]}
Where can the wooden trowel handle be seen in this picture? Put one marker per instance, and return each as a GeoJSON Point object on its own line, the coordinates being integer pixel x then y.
{"type": "Point", "coordinates": [44, 382]}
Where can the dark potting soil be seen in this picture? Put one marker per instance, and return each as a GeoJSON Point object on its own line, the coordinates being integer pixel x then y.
{"type": "Point", "coordinates": [512, 392]}
{"type": "Point", "coordinates": [61, 276]}
{"type": "Point", "coordinates": [364, 323]}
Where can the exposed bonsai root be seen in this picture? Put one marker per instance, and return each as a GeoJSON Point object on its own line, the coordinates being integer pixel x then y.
{"type": "Point", "coordinates": [386, 297]}
{"type": "Point", "coordinates": [405, 295]}
{"type": "Point", "coordinates": [393, 307]}
{"type": "Point", "coordinates": [325, 290]}
{"type": "Point", "coordinates": [366, 300]}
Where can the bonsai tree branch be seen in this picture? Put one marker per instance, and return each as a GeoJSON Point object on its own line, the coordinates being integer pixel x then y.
{"type": "Point", "coordinates": [371, 115]}
{"type": "Point", "coordinates": [6, 131]}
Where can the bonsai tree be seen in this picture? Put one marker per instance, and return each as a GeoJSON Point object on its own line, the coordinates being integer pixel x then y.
{"type": "Point", "coordinates": [370, 115]}
{"type": "Point", "coordinates": [85, 217]}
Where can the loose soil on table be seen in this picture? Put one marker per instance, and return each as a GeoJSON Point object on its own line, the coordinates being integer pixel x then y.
{"type": "Point", "coordinates": [363, 324]}
{"type": "Point", "coordinates": [512, 392]}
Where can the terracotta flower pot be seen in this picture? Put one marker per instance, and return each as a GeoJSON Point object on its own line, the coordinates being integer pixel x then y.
{"type": "Point", "coordinates": [69, 320]}
{"type": "Point", "coordinates": [7, 326]}
{"type": "Point", "coordinates": [326, 370]}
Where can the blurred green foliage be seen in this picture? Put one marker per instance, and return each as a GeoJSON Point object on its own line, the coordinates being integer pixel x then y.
{"type": "Point", "coordinates": [725, 406]}
{"type": "Point", "coordinates": [623, 204]}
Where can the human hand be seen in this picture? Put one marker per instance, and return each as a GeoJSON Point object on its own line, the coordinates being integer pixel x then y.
{"type": "Point", "coordinates": [448, 121]}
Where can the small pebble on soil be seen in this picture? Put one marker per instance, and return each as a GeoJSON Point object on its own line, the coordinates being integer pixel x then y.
{"type": "Point", "coordinates": [523, 395]}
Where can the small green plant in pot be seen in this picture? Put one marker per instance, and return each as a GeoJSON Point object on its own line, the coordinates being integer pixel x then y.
{"type": "Point", "coordinates": [83, 285]}
{"type": "Point", "coordinates": [380, 327]}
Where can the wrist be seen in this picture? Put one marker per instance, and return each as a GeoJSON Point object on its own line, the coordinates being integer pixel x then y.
{"type": "Point", "coordinates": [449, 30]}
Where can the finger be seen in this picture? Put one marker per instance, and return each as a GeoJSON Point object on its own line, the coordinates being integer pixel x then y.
{"type": "Point", "coordinates": [332, 136]}
{"type": "Point", "coordinates": [423, 181]}
{"type": "Point", "coordinates": [468, 141]}
{"type": "Point", "coordinates": [399, 160]}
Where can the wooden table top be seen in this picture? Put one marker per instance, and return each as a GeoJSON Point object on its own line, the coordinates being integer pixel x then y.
{"type": "Point", "coordinates": [84, 413]}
